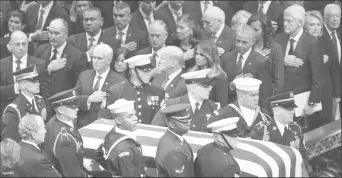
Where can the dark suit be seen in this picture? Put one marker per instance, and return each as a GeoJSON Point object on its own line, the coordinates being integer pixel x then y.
{"type": "Point", "coordinates": [175, 88]}
{"type": "Point", "coordinates": [32, 14]}
{"type": "Point", "coordinates": [226, 40]}
{"type": "Point", "coordinates": [63, 145]}
{"type": "Point", "coordinates": [214, 160]}
{"type": "Point", "coordinates": [275, 12]}
{"type": "Point", "coordinates": [84, 88]}
{"type": "Point", "coordinates": [255, 65]}
{"type": "Point", "coordinates": [15, 111]}
{"type": "Point", "coordinates": [199, 119]}
{"type": "Point", "coordinates": [307, 77]}
{"type": "Point", "coordinates": [133, 34]}
{"type": "Point", "coordinates": [80, 42]}
{"type": "Point", "coordinates": [174, 158]}
{"type": "Point", "coordinates": [35, 163]}
{"type": "Point", "coordinates": [194, 10]}
{"type": "Point", "coordinates": [7, 83]}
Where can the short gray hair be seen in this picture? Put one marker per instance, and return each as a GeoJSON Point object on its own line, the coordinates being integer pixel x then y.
{"type": "Point", "coordinates": [158, 23]}
{"type": "Point", "coordinates": [219, 13]}
{"type": "Point", "coordinates": [240, 14]}
{"type": "Point", "coordinates": [173, 53]}
{"type": "Point", "coordinates": [296, 11]}
{"type": "Point", "coordinates": [329, 7]}
{"type": "Point", "coordinates": [29, 125]}
{"type": "Point", "coordinates": [315, 14]}
{"type": "Point", "coordinates": [64, 23]}
{"type": "Point", "coordinates": [10, 154]}
{"type": "Point", "coordinates": [104, 48]}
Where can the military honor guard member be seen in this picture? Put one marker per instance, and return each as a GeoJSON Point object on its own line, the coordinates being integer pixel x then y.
{"type": "Point", "coordinates": [174, 156]}
{"type": "Point", "coordinates": [246, 107]}
{"type": "Point", "coordinates": [34, 162]}
{"type": "Point", "coordinates": [28, 101]}
{"type": "Point", "coordinates": [215, 159]}
{"type": "Point", "coordinates": [147, 96]}
{"type": "Point", "coordinates": [63, 144]}
{"type": "Point", "coordinates": [120, 153]}
{"type": "Point", "coordinates": [199, 86]}
{"type": "Point", "coordinates": [282, 129]}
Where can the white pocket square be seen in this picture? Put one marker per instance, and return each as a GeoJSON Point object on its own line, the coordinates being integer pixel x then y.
{"type": "Point", "coordinates": [325, 58]}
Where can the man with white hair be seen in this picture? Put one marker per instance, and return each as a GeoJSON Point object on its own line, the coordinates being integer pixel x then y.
{"type": "Point", "coordinates": [171, 64]}
{"type": "Point", "coordinates": [246, 107]}
{"type": "Point", "coordinates": [216, 30]}
{"type": "Point", "coordinates": [35, 163]}
{"type": "Point", "coordinates": [92, 84]}
{"type": "Point", "coordinates": [27, 101]}
{"type": "Point", "coordinates": [303, 64]}
{"type": "Point", "coordinates": [239, 18]}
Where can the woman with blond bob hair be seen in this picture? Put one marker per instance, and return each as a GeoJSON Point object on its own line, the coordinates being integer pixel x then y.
{"type": "Point", "coordinates": [10, 157]}
{"type": "Point", "coordinates": [313, 23]}
{"type": "Point", "coordinates": [76, 15]}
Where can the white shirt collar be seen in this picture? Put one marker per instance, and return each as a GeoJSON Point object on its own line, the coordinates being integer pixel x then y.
{"type": "Point", "coordinates": [27, 97]}
{"type": "Point", "coordinates": [173, 75]}
{"type": "Point", "coordinates": [248, 115]}
{"type": "Point", "coordinates": [298, 35]}
{"type": "Point", "coordinates": [145, 16]}
{"type": "Point", "coordinates": [130, 134]}
{"type": "Point", "coordinates": [180, 137]}
{"type": "Point", "coordinates": [47, 8]}
{"type": "Point", "coordinates": [23, 59]}
{"type": "Point", "coordinates": [280, 126]}
{"type": "Point", "coordinates": [69, 123]}
{"type": "Point", "coordinates": [96, 37]}
{"type": "Point", "coordinates": [158, 50]}
{"type": "Point", "coordinates": [193, 103]}
{"type": "Point", "coordinates": [218, 33]}
{"type": "Point", "coordinates": [104, 75]}
{"type": "Point", "coordinates": [328, 30]}
{"type": "Point", "coordinates": [123, 30]}
{"type": "Point", "coordinates": [59, 49]}
{"type": "Point", "coordinates": [266, 6]}
{"type": "Point", "coordinates": [31, 143]}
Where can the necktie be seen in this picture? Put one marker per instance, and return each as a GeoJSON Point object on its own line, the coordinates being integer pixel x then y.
{"type": "Point", "coordinates": [34, 105]}
{"type": "Point", "coordinates": [334, 40]}
{"type": "Point", "coordinates": [18, 64]}
{"type": "Point", "coordinates": [291, 51]}
{"type": "Point", "coordinates": [213, 38]}
{"type": "Point", "coordinates": [91, 42]}
{"type": "Point", "coordinates": [286, 131]}
{"type": "Point", "coordinates": [261, 8]}
{"type": "Point", "coordinates": [149, 20]}
{"type": "Point", "coordinates": [239, 64]}
{"type": "Point", "coordinates": [97, 84]}
{"type": "Point", "coordinates": [40, 20]}
{"type": "Point", "coordinates": [165, 82]}
{"type": "Point", "coordinates": [196, 108]}
{"type": "Point", "coordinates": [54, 56]}
{"type": "Point", "coordinates": [178, 15]}
{"type": "Point", "coordinates": [206, 5]}
{"type": "Point", "coordinates": [120, 37]}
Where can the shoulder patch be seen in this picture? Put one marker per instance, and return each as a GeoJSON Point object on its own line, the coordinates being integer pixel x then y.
{"type": "Point", "coordinates": [123, 154]}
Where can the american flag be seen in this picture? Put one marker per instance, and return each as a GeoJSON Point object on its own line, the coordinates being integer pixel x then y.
{"type": "Point", "coordinates": [259, 158]}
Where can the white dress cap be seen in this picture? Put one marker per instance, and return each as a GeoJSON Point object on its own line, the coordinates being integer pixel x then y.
{"type": "Point", "coordinates": [247, 84]}
{"type": "Point", "coordinates": [121, 106]}
{"type": "Point", "coordinates": [224, 124]}
{"type": "Point", "coordinates": [196, 74]}
{"type": "Point", "coordinates": [138, 60]}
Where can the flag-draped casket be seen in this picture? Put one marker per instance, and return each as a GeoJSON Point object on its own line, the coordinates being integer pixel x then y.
{"type": "Point", "coordinates": [259, 158]}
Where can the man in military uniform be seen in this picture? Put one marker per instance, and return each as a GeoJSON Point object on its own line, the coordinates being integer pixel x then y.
{"type": "Point", "coordinates": [63, 144]}
{"type": "Point", "coordinates": [174, 156]}
{"type": "Point", "coordinates": [215, 159]}
{"type": "Point", "coordinates": [199, 87]}
{"type": "Point", "coordinates": [246, 107]}
{"type": "Point", "coordinates": [282, 130]}
{"type": "Point", "coordinates": [138, 87]}
{"type": "Point", "coordinates": [26, 102]}
{"type": "Point", "coordinates": [120, 153]}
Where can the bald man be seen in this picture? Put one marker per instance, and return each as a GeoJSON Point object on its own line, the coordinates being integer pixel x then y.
{"type": "Point", "coordinates": [303, 65]}
{"type": "Point", "coordinates": [92, 84]}
{"type": "Point", "coordinates": [19, 59]}
{"type": "Point", "coordinates": [61, 58]}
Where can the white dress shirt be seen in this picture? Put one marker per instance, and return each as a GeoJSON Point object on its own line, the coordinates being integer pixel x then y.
{"type": "Point", "coordinates": [203, 5]}
{"type": "Point", "coordinates": [23, 63]}
{"type": "Point", "coordinates": [103, 78]}
{"type": "Point", "coordinates": [96, 38]}
{"type": "Point", "coordinates": [130, 134]}
{"type": "Point", "coordinates": [46, 9]}
{"type": "Point", "coordinates": [174, 13]}
{"type": "Point", "coordinates": [124, 36]}
{"type": "Point", "coordinates": [281, 127]}
{"type": "Point", "coordinates": [266, 6]}
{"type": "Point", "coordinates": [180, 137]}
{"type": "Point", "coordinates": [172, 76]}
{"type": "Point", "coordinates": [193, 103]}
{"type": "Point", "coordinates": [28, 98]}
{"type": "Point", "coordinates": [145, 16]}
{"type": "Point", "coordinates": [296, 38]}
{"type": "Point", "coordinates": [31, 143]}
{"type": "Point", "coordinates": [245, 56]}
{"type": "Point", "coordinates": [338, 43]}
{"type": "Point", "coordinates": [59, 51]}
{"type": "Point", "coordinates": [248, 115]}
{"type": "Point", "coordinates": [218, 33]}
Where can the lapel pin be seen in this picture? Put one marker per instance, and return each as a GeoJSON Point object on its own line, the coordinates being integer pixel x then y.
{"type": "Point", "coordinates": [274, 128]}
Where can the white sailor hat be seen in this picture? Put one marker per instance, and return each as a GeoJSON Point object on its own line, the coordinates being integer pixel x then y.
{"type": "Point", "coordinates": [198, 77]}
{"type": "Point", "coordinates": [224, 124]}
{"type": "Point", "coordinates": [143, 62]}
{"type": "Point", "coordinates": [28, 73]}
{"type": "Point", "coordinates": [247, 84]}
{"type": "Point", "coordinates": [121, 106]}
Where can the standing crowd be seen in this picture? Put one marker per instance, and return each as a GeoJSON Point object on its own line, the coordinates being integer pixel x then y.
{"type": "Point", "coordinates": [230, 68]}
